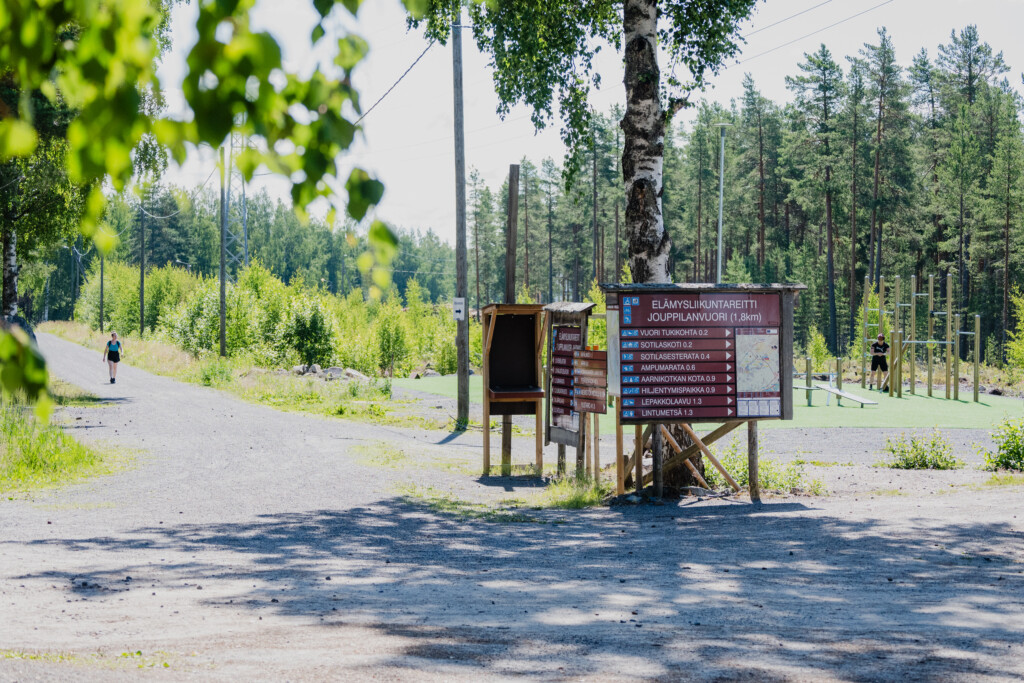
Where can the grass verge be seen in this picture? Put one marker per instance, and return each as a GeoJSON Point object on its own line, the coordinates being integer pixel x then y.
{"type": "Point", "coordinates": [359, 401]}
{"type": "Point", "coordinates": [36, 455]}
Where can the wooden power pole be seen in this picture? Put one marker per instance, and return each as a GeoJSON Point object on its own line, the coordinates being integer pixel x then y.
{"type": "Point", "coordinates": [223, 256]}
{"type": "Point", "coordinates": [461, 325]}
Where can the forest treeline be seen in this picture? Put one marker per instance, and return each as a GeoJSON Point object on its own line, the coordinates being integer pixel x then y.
{"type": "Point", "coordinates": [875, 169]}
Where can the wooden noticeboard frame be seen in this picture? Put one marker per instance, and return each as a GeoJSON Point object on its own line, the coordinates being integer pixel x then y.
{"type": "Point", "coordinates": [689, 370]}
{"type": "Point", "coordinates": [565, 314]}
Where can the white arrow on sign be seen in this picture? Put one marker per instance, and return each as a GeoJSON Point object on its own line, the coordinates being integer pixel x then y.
{"type": "Point", "coordinates": [728, 378]}
{"type": "Point", "coordinates": [728, 332]}
{"type": "Point", "coordinates": [728, 356]}
{"type": "Point", "coordinates": [729, 389]}
{"type": "Point", "coordinates": [729, 400]}
{"type": "Point", "coordinates": [728, 344]}
{"type": "Point", "coordinates": [728, 366]}
{"type": "Point", "coordinates": [728, 411]}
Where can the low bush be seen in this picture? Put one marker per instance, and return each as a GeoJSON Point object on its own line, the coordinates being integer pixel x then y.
{"type": "Point", "coordinates": [921, 453]}
{"type": "Point", "coordinates": [1009, 453]}
{"type": "Point", "coordinates": [772, 475]}
{"type": "Point", "coordinates": [309, 330]}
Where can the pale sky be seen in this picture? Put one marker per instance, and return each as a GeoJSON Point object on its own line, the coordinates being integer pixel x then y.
{"type": "Point", "coordinates": [407, 140]}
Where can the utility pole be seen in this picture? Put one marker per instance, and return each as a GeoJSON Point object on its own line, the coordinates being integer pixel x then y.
{"type": "Point", "coordinates": [142, 267]}
{"type": "Point", "coordinates": [223, 257]}
{"type": "Point", "coordinates": [597, 240]}
{"type": "Point", "coordinates": [510, 291]}
{"type": "Point", "coordinates": [101, 292]}
{"type": "Point", "coordinates": [721, 193]}
{"type": "Point", "coordinates": [461, 325]}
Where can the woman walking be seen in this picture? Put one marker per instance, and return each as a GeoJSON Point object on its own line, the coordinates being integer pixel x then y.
{"type": "Point", "coordinates": [112, 354]}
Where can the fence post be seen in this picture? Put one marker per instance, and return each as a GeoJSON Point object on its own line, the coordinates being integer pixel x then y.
{"type": "Point", "coordinates": [931, 330]}
{"type": "Point", "coordinates": [864, 337]}
{"type": "Point", "coordinates": [913, 334]}
{"type": "Point", "coordinates": [949, 329]}
{"type": "Point", "coordinates": [839, 373]}
{"type": "Point", "coordinates": [977, 353]}
{"type": "Point", "coordinates": [807, 378]}
{"type": "Point", "coordinates": [956, 357]}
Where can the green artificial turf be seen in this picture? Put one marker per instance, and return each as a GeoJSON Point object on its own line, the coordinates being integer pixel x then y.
{"type": "Point", "coordinates": [894, 413]}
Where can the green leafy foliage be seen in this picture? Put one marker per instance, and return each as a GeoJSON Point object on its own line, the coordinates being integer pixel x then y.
{"type": "Point", "coordinates": [309, 330]}
{"type": "Point", "coordinates": [392, 342]}
{"type": "Point", "coordinates": [1009, 453]}
{"type": "Point", "coordinates": [921, 453]}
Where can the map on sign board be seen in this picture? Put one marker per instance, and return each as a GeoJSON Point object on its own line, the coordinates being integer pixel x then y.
{"type": "Point", "coordinates": [686, 356]}
{"type": "Point", "coordinates": [758, 383]}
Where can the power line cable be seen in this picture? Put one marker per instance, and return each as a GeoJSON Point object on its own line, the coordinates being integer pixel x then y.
{"type": "Point", "coordinates": [782, 21]}
{"type": "Point", "coordinates": [406, 73]}
{"type": "Point", "coordinates": [191, 197]}
{"type": "Point", "coordinates": [812, 33]}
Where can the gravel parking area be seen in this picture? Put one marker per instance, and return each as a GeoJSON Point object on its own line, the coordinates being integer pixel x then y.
{"type": "Point", "coordinates": [242, 543]}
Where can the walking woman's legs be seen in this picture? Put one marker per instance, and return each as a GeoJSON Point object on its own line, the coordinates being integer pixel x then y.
{"type": "Point", "coordinates": [113, 369]}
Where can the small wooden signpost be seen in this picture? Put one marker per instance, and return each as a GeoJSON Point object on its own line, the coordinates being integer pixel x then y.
{"type": "Point", "coordinates": [567, 331]}
{"type": "Point", "coordinates": [590, 395]}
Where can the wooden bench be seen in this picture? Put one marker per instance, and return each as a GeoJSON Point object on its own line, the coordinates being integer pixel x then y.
{"type": "Point", "coordinates": [840, 395]}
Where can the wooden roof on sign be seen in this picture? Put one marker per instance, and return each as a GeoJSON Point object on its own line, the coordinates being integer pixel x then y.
{"type": "Point", "coordinates": [570, 307]}
{"type": "Point", "coordinates": [513, 309]}
{"type": "Point", "coordinates": [703, 287]}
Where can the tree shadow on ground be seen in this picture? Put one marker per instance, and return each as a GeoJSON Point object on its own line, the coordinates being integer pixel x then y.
{"type": "Point", "coordinates": [713, 591]}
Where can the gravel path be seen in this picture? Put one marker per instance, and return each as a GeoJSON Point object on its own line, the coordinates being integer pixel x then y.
{"type": "Point", "coordinates": [265, 545]}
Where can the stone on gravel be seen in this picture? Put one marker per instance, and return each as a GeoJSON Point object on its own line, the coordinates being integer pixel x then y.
{"type": "Point", "coordinates": [314, 368]}
{"type": "Point", "coordinates": [355, 374]}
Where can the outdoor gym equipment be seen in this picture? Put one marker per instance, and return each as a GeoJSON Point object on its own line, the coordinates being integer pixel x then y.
{"type": "Point", "coordinates": [902, 315]}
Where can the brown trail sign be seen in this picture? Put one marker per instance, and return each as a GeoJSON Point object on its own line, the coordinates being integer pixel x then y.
{"type": "Point", "coordinates": [699, 353]}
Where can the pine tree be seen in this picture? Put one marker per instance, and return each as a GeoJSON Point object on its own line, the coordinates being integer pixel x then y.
{"type": "Point", "coordinates": [818, 90]}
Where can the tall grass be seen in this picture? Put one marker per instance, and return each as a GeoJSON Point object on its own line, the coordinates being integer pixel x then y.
{"type": "Point", "coordinates": [33, 454]}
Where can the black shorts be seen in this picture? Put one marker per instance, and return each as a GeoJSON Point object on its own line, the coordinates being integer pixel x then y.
{"type": "Point", "coordinates": [114, 357]}
{"type": "Point", "coordinates": [879, 363]}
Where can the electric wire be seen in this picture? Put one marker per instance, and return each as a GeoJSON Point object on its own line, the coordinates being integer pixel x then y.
{"type": "Point", "coordinates": [812, 33]}
{"type": "Point", "coordinates": [782, 21]}
{"type": "Point", "coordinates": [395, 85]}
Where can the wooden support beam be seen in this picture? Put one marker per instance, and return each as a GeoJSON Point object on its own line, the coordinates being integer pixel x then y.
{"type": "Point", "coordinates": [620, 468]}
{"type": "Point", "coordinates": [691, 451]}
{"type": "Point", "coordinates": [674, 445]}
{"type": "Point", "coordinates": [638, 437]}
{"type": "Point", "coordinates": [707, 453]}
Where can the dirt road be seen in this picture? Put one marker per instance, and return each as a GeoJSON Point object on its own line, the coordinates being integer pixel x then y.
{"type": "Point", "coordinates": [247, 543]}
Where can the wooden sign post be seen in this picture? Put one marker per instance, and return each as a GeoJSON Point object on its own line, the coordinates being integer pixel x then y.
{"type": "Point", "coordinates": [567, 331]}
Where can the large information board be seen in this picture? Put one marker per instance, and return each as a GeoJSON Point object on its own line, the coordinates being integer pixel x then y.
{"type": "Point", "coordinates": [701, 356]}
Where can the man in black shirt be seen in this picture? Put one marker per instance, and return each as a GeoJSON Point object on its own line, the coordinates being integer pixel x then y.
{"type": "Point", "coordinates": [879, 364]}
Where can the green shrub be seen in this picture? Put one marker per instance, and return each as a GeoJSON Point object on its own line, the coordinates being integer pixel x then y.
{"type": "Point", "coordinates": [921, 453]}
{"type": "Point", "coordinates": [817, 349]}
{"type": "Point", "coordinates": [214, 372]}
{"type": "Point", "coordinates": [772, 475]}
{"type": "Point", "coordinates": [1015, 345]}
{"type": "Point", "coordinates": [1009, 455]}
{"type": "Point", "coordinates": [392, 341]}
{"type": "Point", "coordinates": [166, 288]}
{"type": "Point", "coordinates": [309, 330]}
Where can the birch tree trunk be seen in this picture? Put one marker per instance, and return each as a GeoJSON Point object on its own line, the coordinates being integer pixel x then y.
{"type": "Point", "coordinates": [10, 277]}
{"type": "Point", "coordinates": [643, 154]}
